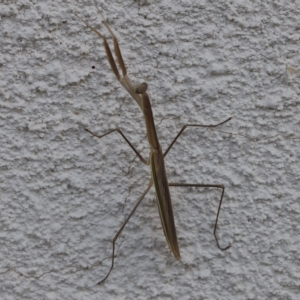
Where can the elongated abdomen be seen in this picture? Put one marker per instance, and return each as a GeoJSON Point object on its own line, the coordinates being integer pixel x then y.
{"type": "Point", "coordinates": [164, 200]}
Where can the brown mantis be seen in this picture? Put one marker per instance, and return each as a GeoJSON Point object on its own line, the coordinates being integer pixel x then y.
{"type": "Point", "coordinates": [156, 159]}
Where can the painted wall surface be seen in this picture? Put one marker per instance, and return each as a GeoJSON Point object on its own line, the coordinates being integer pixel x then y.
{"type": "Point", "coordinates": [64, 193]}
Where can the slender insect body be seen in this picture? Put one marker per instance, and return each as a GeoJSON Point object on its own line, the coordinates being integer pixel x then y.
{"type": "Point", "coordinates": [159, 175]}
{"type": "Point", "coordinates": [156, 159]}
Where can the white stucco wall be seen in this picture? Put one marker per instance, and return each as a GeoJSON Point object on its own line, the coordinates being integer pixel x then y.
{"type": "Point", "coordinates": [63, 193]}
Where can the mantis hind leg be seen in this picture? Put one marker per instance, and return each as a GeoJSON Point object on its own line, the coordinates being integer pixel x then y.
{"type": "Point", "coordinates": [138, 202]}
{"type": "Point", "coordinates": [219, 186]}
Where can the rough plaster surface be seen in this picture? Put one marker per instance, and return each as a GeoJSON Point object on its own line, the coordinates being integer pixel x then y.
{"type": "Point", "coordinates": [64, 193]}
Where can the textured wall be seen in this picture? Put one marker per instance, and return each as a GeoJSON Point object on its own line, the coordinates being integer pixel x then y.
{"type": "Point", "coordinates": [63, 193]}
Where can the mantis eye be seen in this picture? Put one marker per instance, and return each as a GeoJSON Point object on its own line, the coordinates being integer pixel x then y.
{"type": "Point", "coordinates": [141, 88]}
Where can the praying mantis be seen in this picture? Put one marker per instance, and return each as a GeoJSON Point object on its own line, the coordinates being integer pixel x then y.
{"type": "Point", "coordinates": [157, 155]}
